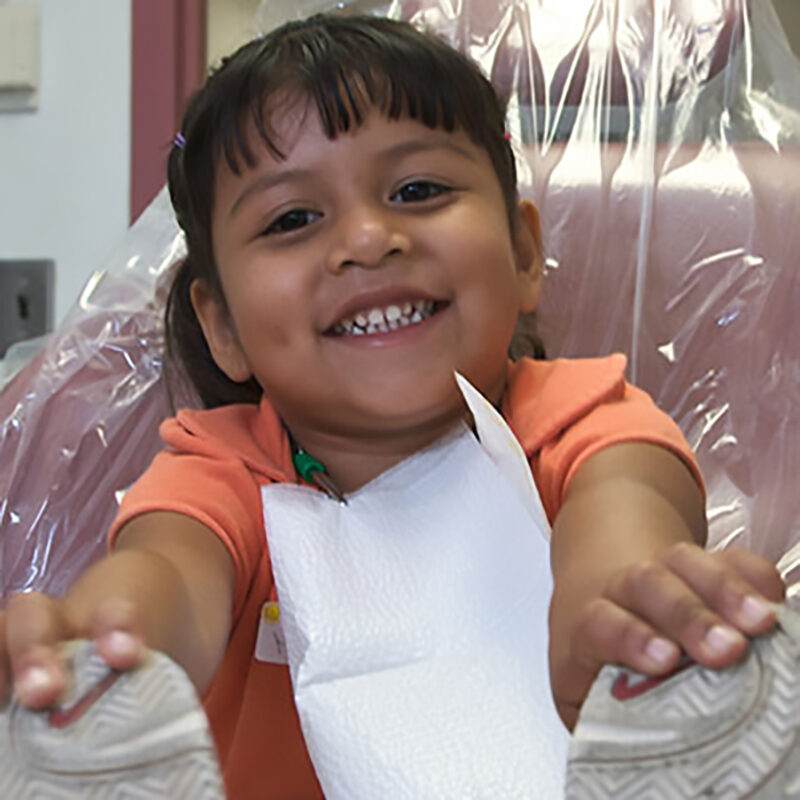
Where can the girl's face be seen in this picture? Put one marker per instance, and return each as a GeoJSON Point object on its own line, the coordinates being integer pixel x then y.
{"type": "Point", "coordinates": [360, 272]}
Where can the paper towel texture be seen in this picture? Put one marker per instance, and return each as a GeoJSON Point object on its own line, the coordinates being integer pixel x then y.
{"type": "Point", "coordinates": [416, 625]}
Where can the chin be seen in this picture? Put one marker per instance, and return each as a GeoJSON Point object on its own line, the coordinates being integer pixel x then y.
{"type": "Point", "coordinates": [416, 412]}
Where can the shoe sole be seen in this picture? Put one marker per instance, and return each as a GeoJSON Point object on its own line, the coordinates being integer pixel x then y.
{"type": "Point", "coordinates": [754, 754]}
{"type": "Point", "coordinates": [134, 735]}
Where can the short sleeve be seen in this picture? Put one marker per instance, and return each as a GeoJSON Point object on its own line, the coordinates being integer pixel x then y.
{"type": "Point", "coordinates": [221, 493]}
{"type": "Point", "coordinates": [631, 416]}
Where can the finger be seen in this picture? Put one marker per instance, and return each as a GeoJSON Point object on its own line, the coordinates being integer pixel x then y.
{"type": "Point", "coordinates": [607, 633]}
{"type": "Point", "coordinates": [760, 573]}
{"type": "Point", "coordinates": [663, 599]}
{"type": "Point", "coordinates": [730, 584]}
{"type": "Point", "coordinates": [115, 631]}
{"type": "Point", "coordinates": [35, 626]}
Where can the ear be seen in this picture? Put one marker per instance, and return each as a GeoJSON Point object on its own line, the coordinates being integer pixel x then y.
{"type": "Point", "coordinates": [529, 256]}
{"type": "Point", "coordinates": [219, 332]}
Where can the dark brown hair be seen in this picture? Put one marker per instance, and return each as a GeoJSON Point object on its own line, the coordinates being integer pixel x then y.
{"type": "Point", "coordinates": [345, 65]}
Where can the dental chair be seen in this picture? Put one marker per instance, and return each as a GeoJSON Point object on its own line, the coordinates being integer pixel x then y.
{"type": "Point", "coordinates": [660, 140]}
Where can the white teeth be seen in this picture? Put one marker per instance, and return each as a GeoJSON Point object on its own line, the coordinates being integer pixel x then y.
{"type": "Point", "coordinates": [383, 320]}
{"type": "Point", "coordinates": [393, 313]}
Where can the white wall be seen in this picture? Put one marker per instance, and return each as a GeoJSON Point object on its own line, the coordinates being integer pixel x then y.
{"type": "Point", "coordinates": [231, 23]}
{"type": "Point", "coordinates": [65, 168]}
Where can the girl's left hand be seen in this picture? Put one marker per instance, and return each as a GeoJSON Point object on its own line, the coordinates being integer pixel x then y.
{"type": "Point", "coordinates": [704, 604]}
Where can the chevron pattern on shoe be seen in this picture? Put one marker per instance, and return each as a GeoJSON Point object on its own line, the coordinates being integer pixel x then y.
{"type": "Point", "coordinates": [145, 738]}
{"type": "Point", "coordinates": [744, 753]}
{"type": "Point", "coordinates": [193, 781]}
{"type": "Point", "coordinates": [193, 777]}
{"type": "Point", "coordinates": [702, 698]}
{"type": "Point", "coordinates": [139, 707]}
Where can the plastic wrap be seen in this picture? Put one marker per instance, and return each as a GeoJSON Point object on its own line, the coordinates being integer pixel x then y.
{"type": "Point", "coordinates": [80, 420]}
{"type": "Point", "coordinates": [660, 140]}
{"type": "Point", "coordinates": [17, 357]}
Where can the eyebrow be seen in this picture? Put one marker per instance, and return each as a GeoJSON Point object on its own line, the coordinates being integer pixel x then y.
{"type": "Point", "coordinates": [397, 151]}
{"type": "Point", "coordinates": [264, 182]}
{"type": "Point", "coordinates": [417, 145]}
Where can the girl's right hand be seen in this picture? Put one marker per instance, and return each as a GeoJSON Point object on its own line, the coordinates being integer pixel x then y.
{"type": "Point", "coordinates": [167, 586]}
{"type": "Point", "coordinates": [34, 626]}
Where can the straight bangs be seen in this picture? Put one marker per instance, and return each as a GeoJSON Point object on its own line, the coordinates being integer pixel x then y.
{"type": "Point", "coordinates": [346, 71]}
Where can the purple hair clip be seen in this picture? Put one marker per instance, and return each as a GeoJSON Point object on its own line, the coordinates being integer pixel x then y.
{"type": "Point", "coordinates": [179, 141]}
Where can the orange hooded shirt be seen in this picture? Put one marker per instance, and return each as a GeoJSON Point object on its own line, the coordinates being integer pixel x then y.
{"type": "Point", "coordinates": [216, 462]}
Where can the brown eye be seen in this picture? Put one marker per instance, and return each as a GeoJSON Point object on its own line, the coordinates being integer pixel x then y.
{"type": "Point", "coordinates": [419, 191]}
{"type": "Point", "coordinates": [292, 220]}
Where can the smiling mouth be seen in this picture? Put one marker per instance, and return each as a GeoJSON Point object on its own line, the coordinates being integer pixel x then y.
{"type": "Point", "coordinates": [386, 319]}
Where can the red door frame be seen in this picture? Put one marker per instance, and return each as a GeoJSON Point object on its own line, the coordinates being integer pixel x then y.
{"type": "Point", "coordinates": [168, 63]}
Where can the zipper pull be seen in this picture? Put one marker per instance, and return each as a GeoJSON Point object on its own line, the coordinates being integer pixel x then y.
{"type": "Point", "coordinates": [312, 471]}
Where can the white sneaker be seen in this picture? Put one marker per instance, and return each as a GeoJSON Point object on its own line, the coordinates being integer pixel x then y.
{"type": "Point", "coordinates": [137, 735]}
{"type": "Point", "coordinates": [697, 733]}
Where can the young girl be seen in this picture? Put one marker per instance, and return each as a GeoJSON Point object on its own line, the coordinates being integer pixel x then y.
{"type": "Point", "coordinates": [348, 194]}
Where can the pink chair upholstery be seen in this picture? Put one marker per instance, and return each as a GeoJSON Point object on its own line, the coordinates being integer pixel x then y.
{"type": "Point", "coordinates": [79, 423]}
{"type": "Point", "coordinates": [718, 338]}
{"type": "Point", "coordinates": [664, 155]}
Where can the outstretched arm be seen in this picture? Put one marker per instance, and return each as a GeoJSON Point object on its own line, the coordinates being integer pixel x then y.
{"type": "Point", "coordinates": [632, 584]}
{"type": "Point", "coordinates": [168, 585]}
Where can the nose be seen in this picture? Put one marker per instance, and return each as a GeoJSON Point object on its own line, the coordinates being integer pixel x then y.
{"type": "Point", "coordinates": [366, 237]}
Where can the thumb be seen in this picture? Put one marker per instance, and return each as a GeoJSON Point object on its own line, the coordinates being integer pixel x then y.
{"type": "Point", "coordinates": [35, 627]}
{"type": "Point", "coordinates": [117, 633]}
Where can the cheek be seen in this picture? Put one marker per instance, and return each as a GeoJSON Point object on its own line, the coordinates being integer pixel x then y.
{"type": "Point", "coordinates": [266, 298]}
{"type": "Point", "coordinates": [496, 302]}
{"type": "Point", "coordinates": [262, 327]}
{"type": "Point", "coordinates": [492, 272]}
{"type": "Point", "coordinates": [484, 242]}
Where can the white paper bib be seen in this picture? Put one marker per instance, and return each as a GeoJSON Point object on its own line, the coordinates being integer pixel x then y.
{"type": "Point", "coordinates": [415, 620]}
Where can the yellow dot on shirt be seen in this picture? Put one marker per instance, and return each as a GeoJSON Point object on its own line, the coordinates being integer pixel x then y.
{"type": "Point", "coordinates": [271, 612]}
